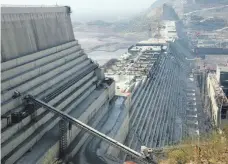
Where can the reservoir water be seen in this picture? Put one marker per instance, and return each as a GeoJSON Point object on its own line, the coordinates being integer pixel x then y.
{"type": "Point", "coordinates": [103, 56]}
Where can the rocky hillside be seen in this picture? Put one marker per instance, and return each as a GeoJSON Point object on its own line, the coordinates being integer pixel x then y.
{"type": "Point", "coordinates": [149, 18]}
{"type": "Point", "coordinates": [159, 10]}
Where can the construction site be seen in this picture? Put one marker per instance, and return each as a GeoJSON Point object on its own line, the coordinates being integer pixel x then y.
{"type": "Point", "coordinates": [59, 105]}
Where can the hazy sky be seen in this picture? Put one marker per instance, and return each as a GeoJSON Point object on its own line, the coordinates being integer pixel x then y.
{"type": "Point", "coordinates": [93, 8]}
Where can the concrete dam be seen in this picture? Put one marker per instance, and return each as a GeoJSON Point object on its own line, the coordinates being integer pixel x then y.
{"type": "Point", "coordinates": [40, 56]}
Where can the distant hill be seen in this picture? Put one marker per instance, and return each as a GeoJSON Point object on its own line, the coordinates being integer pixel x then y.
{"type": "Point", "coordinates": [159, 10]}
{"type": "Point", "coordinates": [75, 23]}
{"type": "Point", "coordinates": [99, 23]}
{"type": "Point", "coordinates": [158, 3]}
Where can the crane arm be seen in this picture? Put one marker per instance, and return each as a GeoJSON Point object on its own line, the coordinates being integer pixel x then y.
{"type": "Point", "coordinates": [89, 129]}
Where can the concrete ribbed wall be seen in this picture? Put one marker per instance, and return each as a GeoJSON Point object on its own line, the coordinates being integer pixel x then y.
{"type": "Point", "coordinates": [159, 101]}
{"type": "Point", "coordinates": [41, 57]}
{"type": "Point", "coordinates": [28, 30]}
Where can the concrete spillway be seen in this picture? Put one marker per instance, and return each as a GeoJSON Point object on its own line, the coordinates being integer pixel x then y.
{"type": "Point", "coordinates": [158, 103]}
{"type": "Point", "coordinates": [41, 57]}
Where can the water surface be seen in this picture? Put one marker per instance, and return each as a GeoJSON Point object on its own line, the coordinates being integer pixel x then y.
{"type": "Point", "coordinates": [102, 56]}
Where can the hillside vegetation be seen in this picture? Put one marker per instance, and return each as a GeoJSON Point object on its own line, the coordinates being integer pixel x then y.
{"type": "Point", "coordinates": [212, 149]}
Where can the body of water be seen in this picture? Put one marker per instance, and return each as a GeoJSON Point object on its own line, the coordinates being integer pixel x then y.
{"type": "Point", "coordinates": [102, 56]}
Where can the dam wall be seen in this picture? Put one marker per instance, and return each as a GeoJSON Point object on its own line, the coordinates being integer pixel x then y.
{"type": "Point", "coordinates": [41, 57]}
{"type": "Point", "coordinates": [156, 116]}
{"type": "Point", "coordinates": [26, 30]}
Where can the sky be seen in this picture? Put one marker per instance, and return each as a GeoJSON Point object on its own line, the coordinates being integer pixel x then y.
{"type": "Point", "coordinates": [93, 9]}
